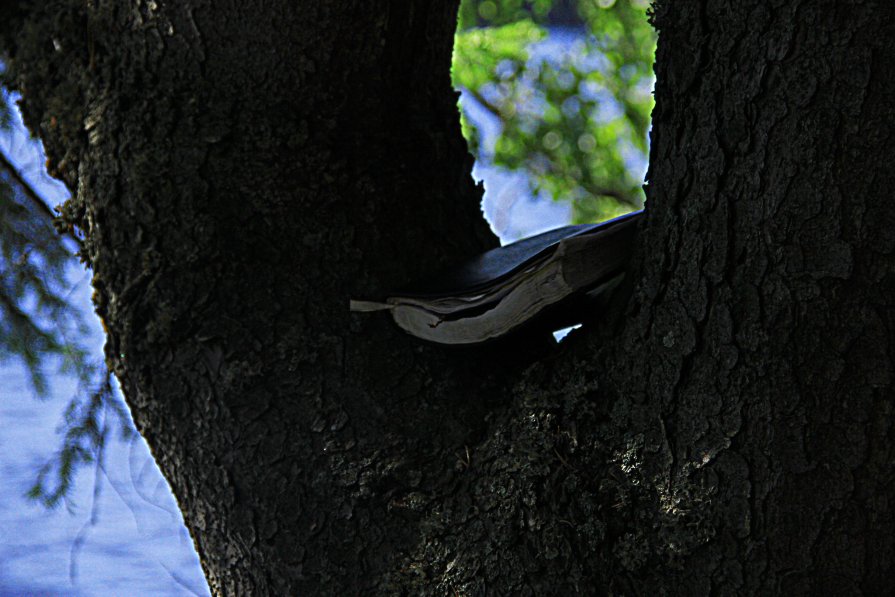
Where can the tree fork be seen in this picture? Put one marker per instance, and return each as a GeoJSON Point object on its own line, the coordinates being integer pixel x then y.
{"type": "Point", "coordinates": [240, 175]}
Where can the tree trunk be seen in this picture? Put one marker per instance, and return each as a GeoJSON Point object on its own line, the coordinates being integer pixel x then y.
{"type": "Point", "coordinates": [759, 408]}
{"type": "Point", "coordinates": [240, 174]}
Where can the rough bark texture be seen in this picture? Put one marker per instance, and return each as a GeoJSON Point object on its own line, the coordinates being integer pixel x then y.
{"type": "Point", "coordinates": [766, 306]}
{"type": "Point", "coordinates": [240, 173]}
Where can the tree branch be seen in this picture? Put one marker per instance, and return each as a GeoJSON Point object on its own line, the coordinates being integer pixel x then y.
{"type": "Point", "coordinates": [620, 196]}
{"type": "Point", "coordinates": [31, 194]}
{"type": "Point", "coordinates": [485, 104]}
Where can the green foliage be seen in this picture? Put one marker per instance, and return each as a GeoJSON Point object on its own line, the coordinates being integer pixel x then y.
{"type": "Point", "coordinates": [479, 56]}
{"type": "Point", "coordinates": [576, 124]}
{"type": "Point", "coordinates": [502, 12]}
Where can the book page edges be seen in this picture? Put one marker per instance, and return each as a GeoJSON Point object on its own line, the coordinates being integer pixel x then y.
{"type": "Point", "coordinates": [523, 301]}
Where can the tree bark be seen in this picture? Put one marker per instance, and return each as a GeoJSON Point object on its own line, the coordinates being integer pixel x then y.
{"type": "Point", "coordinates": [725, 427]}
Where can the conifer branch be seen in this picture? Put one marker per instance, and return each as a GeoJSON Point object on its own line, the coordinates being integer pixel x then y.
{"type": "Point", "coordinates": [32, 195]}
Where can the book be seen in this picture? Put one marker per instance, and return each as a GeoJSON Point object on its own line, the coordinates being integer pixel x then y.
{"type": "Point", "coordinates": [509, 287]}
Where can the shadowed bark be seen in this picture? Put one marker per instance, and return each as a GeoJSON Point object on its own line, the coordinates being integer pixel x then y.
{"type": "Point", "coordinates": [240, 173]}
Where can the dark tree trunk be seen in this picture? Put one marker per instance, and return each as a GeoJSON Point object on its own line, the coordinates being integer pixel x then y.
{"type": "Point", "coordinates": [725, 428]}
{"type": "Point", "coordinates": [759, 403]}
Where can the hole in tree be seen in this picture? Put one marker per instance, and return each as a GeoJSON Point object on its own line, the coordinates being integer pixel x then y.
{"type": "Point", "coordinates": [555, 104]}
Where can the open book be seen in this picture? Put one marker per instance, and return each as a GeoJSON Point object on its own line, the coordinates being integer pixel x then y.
{"type": "Point", "coordinates": [508, 287]}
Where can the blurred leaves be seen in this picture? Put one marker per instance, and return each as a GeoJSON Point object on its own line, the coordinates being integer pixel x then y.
{"type": "Point", "coordinates": [494, 13]}
{"type": "Point", "coordinates": [39, 325]}
{"type": "Point", "coordinates": [36, 321]}
{"type": "Point", "coordinates": [574, 116]}
{"type": "Point", "coordinates": [89, 420]}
